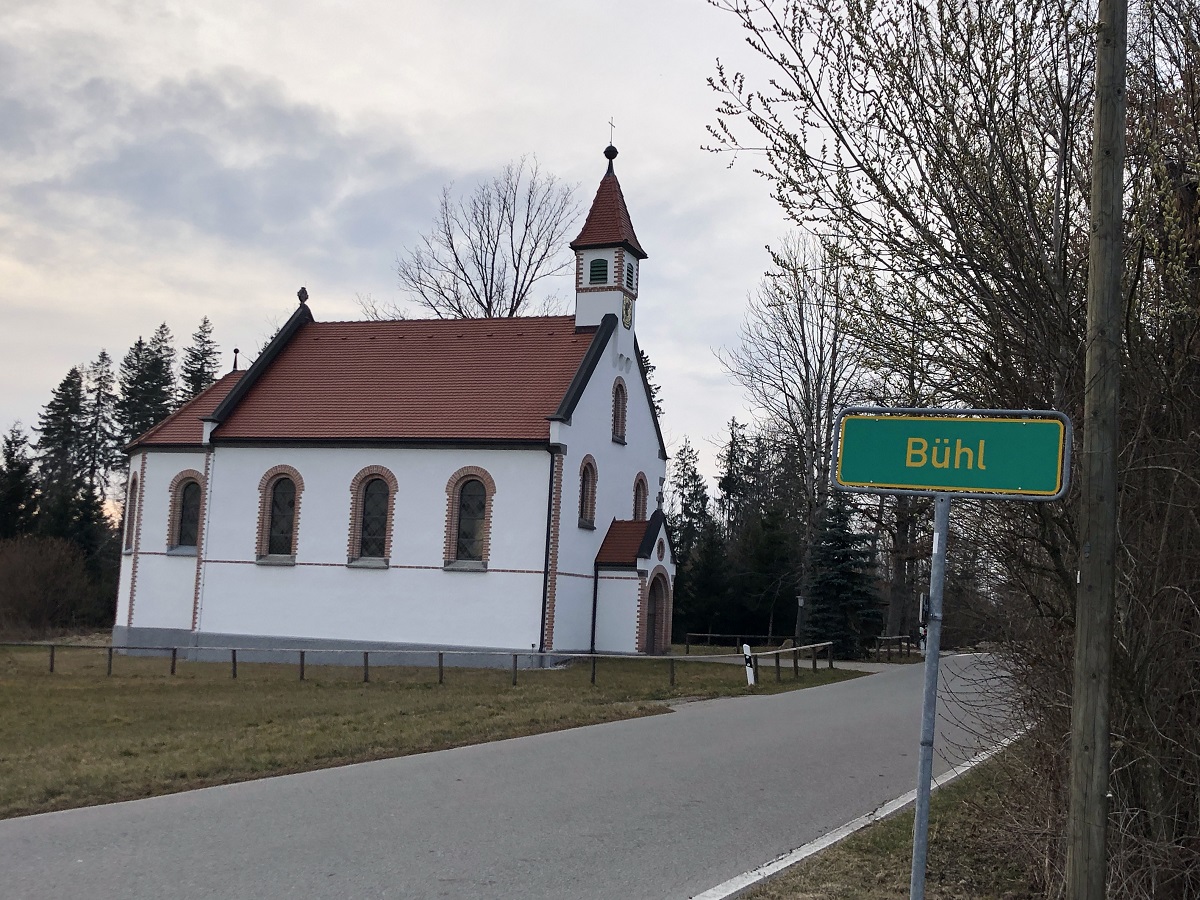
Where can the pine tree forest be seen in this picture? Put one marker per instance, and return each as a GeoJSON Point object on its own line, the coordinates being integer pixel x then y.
{"type": "Point", "coordinates": [62, 482]}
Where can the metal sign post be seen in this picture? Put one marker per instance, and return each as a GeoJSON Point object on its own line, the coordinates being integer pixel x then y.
{"type": "Point", "coordinates": [948, 453]}
{"type": "Point", "coordinates": [933, 643]}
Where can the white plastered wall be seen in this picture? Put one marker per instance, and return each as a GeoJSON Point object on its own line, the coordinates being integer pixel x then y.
{"type": "Point", "coordinates": [616, 611]}
{"type": "Point", "coordinates": [413, 601]}
{"type": "Point", "coordinates": [165, 585]}
{"type": "Point", "coordinates": [617, 465]}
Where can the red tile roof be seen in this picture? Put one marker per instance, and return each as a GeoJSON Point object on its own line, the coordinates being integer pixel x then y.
{"type": "Point", "coordinates": [622, 543]}
{"type": "Point", "coordinates": [608, 223]}
{"type": "Point", "coordinates": [416, 379]}
{"type": "Point", "coordinates": [184, 426]}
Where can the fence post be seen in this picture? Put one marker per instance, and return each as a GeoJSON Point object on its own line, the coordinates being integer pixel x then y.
{"type": "Point", "coordinates": [514, 669]}
{"type": "Point", "coordinates": [889, 651]}
{"type": "Point", "coordinates": [829, 650]}
{"type": "Point", "coordinates": [754, 658]}
{"type": "Point", "coordinates": [687, 643]}
{"type": "Point", "coordinates": [366, 666]}
{"type": "Point", "coordinates": [671, 666]}
{"type": "Point", "coordinates": [233, 662]}
{"type": "Point", "coordinates": [301, 665]}
{"type": "Point", "coordinates": [174, 658]}
{"type": "Point", "coordinates": [593, 669]}
{"type": "Point", "coordinates": [812, 651]}
{"type": "Point", "coordinates": [441, 668]}
{"type": "Point", "coordinates": [795, 662]}
{"type": "Point", "coordinates": [778, 674]}
{"type": "Point", "coordinates": [110, 649]}
{"type": "Point", "coordinates": [51, 659]}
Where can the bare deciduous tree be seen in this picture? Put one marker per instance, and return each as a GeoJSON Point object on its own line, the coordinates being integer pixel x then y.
{"type": "Point", "coordinates": [800, 366]}
{"type": "Point", "coordinates": [488, 252]}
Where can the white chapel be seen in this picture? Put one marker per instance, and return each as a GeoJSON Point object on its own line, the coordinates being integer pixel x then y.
{"type": "Point", "coordinates": [478, 484]}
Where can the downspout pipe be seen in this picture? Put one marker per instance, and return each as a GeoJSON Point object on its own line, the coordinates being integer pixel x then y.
{"type": "Point", "coordinates": [595, 594]}
{"type": "Point", "coordinates": [554, 450]}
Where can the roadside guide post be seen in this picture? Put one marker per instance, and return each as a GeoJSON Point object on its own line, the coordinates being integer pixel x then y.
{"type": "Point", "coordinates": [948, 453]}
{"type": "Point", "coordinates": [749, 664]}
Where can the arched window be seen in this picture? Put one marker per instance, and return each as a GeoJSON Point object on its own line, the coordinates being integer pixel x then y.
{"type": "Point", "coordinates": [620, 404]}
{"type": "Point", "coordinates": [131, 512]}
{"type": "Point", "coordinates": [469, 495]}
{"type": "Point", "coordinates": [185, 509]}
{"type": "Point", "coordinates": [598, 271]}
{"type": "Point", "coordinates": [374, 518]}
{"type": "Point", "coordinates": [279, 493]}
{"type": "Point", "coordinates": [372, 493]}
{"type": "Point", "coordinates": [640, 493]}
{"type": "Point", "coordinates": [472, 504]}
{"type": "Point", "coordinates": [283, 517]}
{"type": "Point", "coordinates": [587, 493]}
{"type": "Point", "coordinates": [188, 530]}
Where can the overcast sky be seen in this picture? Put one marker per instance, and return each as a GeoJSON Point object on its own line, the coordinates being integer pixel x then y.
{"type": "Point", "coordinates": [162, 161]}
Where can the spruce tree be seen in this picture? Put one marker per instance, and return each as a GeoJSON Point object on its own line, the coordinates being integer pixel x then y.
{"type": "Point", "coordinates": [734, 482]}
{"type": "Point", "coordinates": [147, 385]}
{"type": "Point", "coordinates": [845, 607]}
{"type": "Point", "coordinates": [68, 503]}
{"type": "Point", "coordinates": [201, 362]}
{"type": "Point", "coordinates": [161, 371]}
{"type": "Point", "coordinates": [691, 499]}
{"type": "Point", "coordinates": [647, 368]}
{"type": "Point", "coordinates": [101, 437]}
{"type": "Point", "coordinates": [70, 506]}
{"type": "Point", "coordinates": [696, 544]}
{"type": "Point", "coordinates": [18, 488]}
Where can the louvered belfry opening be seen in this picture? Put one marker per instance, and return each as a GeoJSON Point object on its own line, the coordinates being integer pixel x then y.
{"type": "Point", "coordinates": [598, 271]}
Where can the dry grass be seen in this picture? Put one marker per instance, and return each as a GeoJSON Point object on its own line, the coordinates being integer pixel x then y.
{"type": "Point", "coordinates": [78, 738]}
{"type": "Point", "coordinates": [968, 858]}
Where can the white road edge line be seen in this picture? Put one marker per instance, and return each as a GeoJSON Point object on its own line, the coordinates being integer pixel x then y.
{"type": "Point", "coordinates": [736, 887]}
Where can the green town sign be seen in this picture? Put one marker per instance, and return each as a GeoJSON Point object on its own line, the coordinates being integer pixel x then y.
{"type": "Point", "coordinates": [969, 453]}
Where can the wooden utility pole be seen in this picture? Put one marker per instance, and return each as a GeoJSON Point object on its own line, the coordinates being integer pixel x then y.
{"type": "Point", "coordinates": [1087, 861]}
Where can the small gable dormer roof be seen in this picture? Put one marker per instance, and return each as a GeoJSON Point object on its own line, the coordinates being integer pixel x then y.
{"type": "Point", "coordinates": [608, 223]}
{"type": "Point", "coordinates": [630, 540]}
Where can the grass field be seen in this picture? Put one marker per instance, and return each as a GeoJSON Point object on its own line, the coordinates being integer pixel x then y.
{"type": "Point", "coordinates": [78, 737]}
{"type": "Point", "coordinates": [966, 860]}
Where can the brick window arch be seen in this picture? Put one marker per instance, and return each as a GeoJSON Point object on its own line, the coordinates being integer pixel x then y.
{"type": "Point", "coordinates": [372, 512]}
{"type": "Point", "coordinates": [587, 492]}
{"type": "Point", "coordinates": [131, 506]}
{"type": "Point", "coordinates": [186, 508]}
{"type": "Point", "coordinates": [279, 493]}
{"type": "Point", "coordinates": [469, 495]}
{"type": "Point", "coordinates": [641, 495]}
{"type": "Point", "coordinates": [620, 407]}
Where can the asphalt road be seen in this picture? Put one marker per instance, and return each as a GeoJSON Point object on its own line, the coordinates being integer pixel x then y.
{"type": "Point", "coordinates": [660, 807]}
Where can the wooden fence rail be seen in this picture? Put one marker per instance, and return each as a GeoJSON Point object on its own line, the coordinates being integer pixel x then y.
{"type": "Point", "coordinates": [813, 651]}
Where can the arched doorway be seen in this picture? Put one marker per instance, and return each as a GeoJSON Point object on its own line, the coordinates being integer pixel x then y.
{"type": "Point", "coordinates": [656, 612]}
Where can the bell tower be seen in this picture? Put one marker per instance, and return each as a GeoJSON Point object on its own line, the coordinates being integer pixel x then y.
{"type": "Point", "coordinates": [607, 258]}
